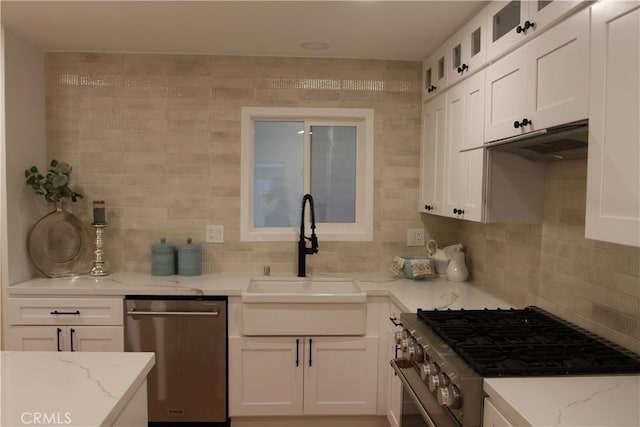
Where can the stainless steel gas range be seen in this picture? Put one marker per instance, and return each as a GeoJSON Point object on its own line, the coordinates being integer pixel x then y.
{"type": "Point", "coordinates": [447, 353]}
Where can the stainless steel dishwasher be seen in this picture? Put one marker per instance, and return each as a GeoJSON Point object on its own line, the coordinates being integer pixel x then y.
{"type": "Point", "coordinates": [188, 384]}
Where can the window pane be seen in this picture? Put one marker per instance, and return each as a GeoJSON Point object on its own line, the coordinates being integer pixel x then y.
{"type": "Point", "coordinates": [441, 68]}
{"type": "Point", "coordinates": [278, 164]}
{"type": "Point", "coordinates": [333, 173]}
{"type": "Point", "coordinates": [507, 19]}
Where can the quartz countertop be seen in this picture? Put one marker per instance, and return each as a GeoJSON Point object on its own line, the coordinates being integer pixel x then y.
{"type": "Point", "coordinates": [408, 295]}
{"type": "Point", "coordinates": [568, 401]}
{"type": "Point", "coordinates": [76, 389]}
{"type": "Point", "coordinates": [548, 401]}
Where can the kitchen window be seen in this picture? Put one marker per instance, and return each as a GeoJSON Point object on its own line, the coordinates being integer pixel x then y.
{"type": "Point", "coordinates": [287, 152]}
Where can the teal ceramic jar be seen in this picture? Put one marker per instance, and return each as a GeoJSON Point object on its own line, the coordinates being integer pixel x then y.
{"type": "Point", "coordinates": [189, 259]}
{"type": "Point", "coordinates": [163, 259]}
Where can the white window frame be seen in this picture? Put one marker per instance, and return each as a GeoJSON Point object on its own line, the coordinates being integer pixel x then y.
{"type": "Point", "coordinates": [362, 228]}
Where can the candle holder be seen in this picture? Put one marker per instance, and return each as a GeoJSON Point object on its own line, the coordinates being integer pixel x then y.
{"type": "Point", "coordinates": [99, 268]}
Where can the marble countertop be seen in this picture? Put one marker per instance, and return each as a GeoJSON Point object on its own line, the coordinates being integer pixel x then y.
{"type": "Point", "coordinates": [408, 295]}
{"type": "Point", "coordinates": [564, 402]}
{"type": "Point", "coordinates": [568, 401]}
{"type": "Point", "coordinates": [75, 389]}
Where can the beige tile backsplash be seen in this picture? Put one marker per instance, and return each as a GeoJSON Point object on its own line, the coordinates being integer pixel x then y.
{"type": "Point", "coordinates": [594, 284]}
{"type": "Point", "coordinates": [157, 137]}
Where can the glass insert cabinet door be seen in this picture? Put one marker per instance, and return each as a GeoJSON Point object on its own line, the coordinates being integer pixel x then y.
{"type": "Point", "coordinates": [294, 157]}
{"type": "Point", "coordinates": [511, 21]}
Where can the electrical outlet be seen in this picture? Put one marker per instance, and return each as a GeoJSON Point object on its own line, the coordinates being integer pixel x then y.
{"type": "Point", "coordinates": [415, 237]}
{"type": "Point", "coordinates": [214, 234]}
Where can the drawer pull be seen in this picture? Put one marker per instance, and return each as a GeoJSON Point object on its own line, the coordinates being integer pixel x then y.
{"type": "Point", "coordinates": [56, 312]}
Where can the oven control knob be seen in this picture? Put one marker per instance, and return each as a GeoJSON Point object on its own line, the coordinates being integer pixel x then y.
{"type": "Point", "coordinates": [411, 352]}
{"type": "Point", "coordinates": [418, 353]}
{"type": "Point", "coordinates": [450, 397]}
{"type": "Point", "coordinates": [423, 372]}
{"type": "Point", "coordinates": [398, 337]}
{"type": "Point", "coordinates": [430, 368]}
{"type": "Point", "coordinates": [437, 381]}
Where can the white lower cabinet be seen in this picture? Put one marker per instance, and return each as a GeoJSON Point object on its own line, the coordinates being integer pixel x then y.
{"type": "Point", "coordinates": [492, 417]}
{"type": "Point", "coordinates": [66, 338]}
{"type": "Point", "coordinates": [302, 375]}
{"type": "Point", "coordinates": [65, 324]}
{"type": "Point", "coordinates": [394, 396]}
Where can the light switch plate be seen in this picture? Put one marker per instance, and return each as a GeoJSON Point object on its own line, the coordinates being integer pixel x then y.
{"type": "Point", "coordinates": [214, 233]}
{"type": "Point", "coordinates": [415, 237]}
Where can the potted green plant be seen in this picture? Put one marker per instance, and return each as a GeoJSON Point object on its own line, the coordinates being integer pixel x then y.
{"type": "Point", "coordinates": [54, 186]}
{"type": "Point", "coordinates": [59, 244]}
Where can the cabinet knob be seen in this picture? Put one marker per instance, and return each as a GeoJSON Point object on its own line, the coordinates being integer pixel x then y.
{"type": "Point", "coordinates": [524, 27]}
{"type": "Point", "coordinates": [463, 68]}
{"type": "Point", "coordinates": [457, 211]}
{"type": "Point", "coordinates": [431, 88]}
{"type": "Point", "coordinates": [428, 207]}
{"type": "Point", "coordinates": [524, 122]}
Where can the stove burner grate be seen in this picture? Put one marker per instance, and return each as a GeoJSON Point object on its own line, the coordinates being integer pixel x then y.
{"type": "Point", "coordinates": [526, 342]}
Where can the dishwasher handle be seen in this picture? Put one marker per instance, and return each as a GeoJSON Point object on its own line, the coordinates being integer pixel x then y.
{"type": "Point", "coordinates": [172, 313]}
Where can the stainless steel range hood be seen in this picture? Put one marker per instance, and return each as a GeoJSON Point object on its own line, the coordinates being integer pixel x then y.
{"type": "Point", "coordinates": [562, 142]}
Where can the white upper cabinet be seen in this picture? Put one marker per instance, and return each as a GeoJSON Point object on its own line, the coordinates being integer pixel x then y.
{"type": "Point", "coordinates": [511, 22]}
{"type": "Point", "coordinates": [435, 70]}
{"type": "Point", "coordinates": [541, 84]}
{"type": "Point", "coordinates": [467, 49]}
{"type": "Point", "coordinates": [613, 169]}
{"type": "Point", "coordinates": [464, 172]}
{"type": "Point", "coordinates": [432, 156]}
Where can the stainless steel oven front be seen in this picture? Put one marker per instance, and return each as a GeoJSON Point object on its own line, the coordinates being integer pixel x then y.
{"type": "Point", "coordinates": [438, 388]}
{"type": "Point", "coordinates": [419, 407]}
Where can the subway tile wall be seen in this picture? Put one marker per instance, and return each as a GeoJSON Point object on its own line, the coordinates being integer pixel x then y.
{"type": "Point", "coordinates": [591, 283]}
{"type": "Point", "coordinates": [158, 138]}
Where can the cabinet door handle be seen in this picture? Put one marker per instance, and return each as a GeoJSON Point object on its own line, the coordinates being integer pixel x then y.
{"type": "Point", "coordinates": [463, 68]}
{"type": "Point", "coordinates": [524, 27]}
{"type": "Point", "coordinates": [310, 360]}
{"type": "Point", "coordinates": [395, 321]}
{"type": "Point", "coordinates": [58, 331]}
{"type": "Point", "coordinates": [71, 334]}
{"type": "Point", "coordinates": [56, 312]}
{"type": "Point", "coordinates": [297, 352]}
{"type": "Point", "coordinates": [524, 122]}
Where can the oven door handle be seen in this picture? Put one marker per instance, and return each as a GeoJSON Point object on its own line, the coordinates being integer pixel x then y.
{"type": "Point", "coordinates": [412, 393]}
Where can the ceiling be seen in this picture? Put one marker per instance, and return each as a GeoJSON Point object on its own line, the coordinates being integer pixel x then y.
{"type": "Point", "coordinates": [396, 30]}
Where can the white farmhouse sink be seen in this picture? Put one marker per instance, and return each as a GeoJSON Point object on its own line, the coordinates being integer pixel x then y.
{"type": "Point", "coordinates": [303, 306]}
{"type": "Point", "coordinates": [303, 291]}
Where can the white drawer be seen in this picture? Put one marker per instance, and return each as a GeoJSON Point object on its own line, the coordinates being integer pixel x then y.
{"type": "Point", "coordinates": [65, 311]}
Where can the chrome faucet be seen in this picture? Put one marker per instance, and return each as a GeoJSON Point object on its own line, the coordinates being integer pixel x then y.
{"type": "Point", "coordinates": [303, 250]}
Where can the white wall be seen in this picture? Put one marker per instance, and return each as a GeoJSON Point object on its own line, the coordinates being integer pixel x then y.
{"type": "Point", "coordinates": [23, 143]}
